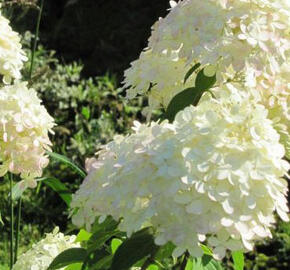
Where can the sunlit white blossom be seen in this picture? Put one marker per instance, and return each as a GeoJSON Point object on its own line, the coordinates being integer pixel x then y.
{"type": "Point", "coordinates": [230, 35]}
{"type": "Point", "coordinates": [43, 253]}
{"type": "Point", "coordinates": [151, 70]}
{"type": "Point", "coordinates": [24, 128]}
{"type": "Point", "coordinates": [215, 173]}
{"type": "Point", "coordinates": [272, 89]}
{"type": "Point", "coordinates": [11, 54]}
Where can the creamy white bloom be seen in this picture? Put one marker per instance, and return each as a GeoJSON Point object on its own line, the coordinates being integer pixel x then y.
{"type": "Point", "coordinates": [215, 173]}
{"type": "Point", "coordinates": [40, 256]}
{"type": "Point", "coordinates": [231, 35]}
{"type": "Point", "coordinates": [11, 54]}
{"type": "Point", "coordinates": [24, 128]}
{"type": "Point", "coordinates": [272, 89]}
{"type": "Point", "coordinates": [152, 72]}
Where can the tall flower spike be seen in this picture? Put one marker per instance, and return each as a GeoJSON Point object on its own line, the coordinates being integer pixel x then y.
{"type": "Point", "coordinates": [24, 128]}
{"type": "Point", "coordinates": [231, 35]}
{"type": "Point", "coordinates": [215, 173]}
{"type": "Point", "coordinates": [11, 54]}
{"type": "Point", "coordinates": [40, 256]}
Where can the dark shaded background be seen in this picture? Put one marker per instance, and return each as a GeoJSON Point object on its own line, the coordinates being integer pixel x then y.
{"type": "Point", "coordinates": [105, 34]}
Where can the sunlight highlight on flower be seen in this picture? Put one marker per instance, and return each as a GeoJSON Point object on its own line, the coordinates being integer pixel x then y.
{"type": "Point", "coordinates": [43, 253]}
{"type": "Point", "coordinates": [215, 173]}
{"type": "Point", "coordinates": [11, 54]}
{"type": "Point", "coordinates": [235, 36]}
{"type": "Point", "coordinates": [24, 128]}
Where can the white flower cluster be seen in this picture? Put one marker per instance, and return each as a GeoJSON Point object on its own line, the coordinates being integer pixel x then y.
{"type": "Point", "coordinates": [40, 256]}
{"type": "Point", "coordinates": [11, 54]}
{"type": "Point", "coordinates": [273, 91]}
{"type": "Point", "coordinates": [244, 40]}
{"type": "Point", "coordinates": [24, 122]}
{"type": "Point", "coordinates": [232, 35]}
{"type": "Point", "coordinates": [155, 72]}
{"type": "Point", "coordinates": [215, 174]}
{"type": "Point", "coordinates": [24, 128]}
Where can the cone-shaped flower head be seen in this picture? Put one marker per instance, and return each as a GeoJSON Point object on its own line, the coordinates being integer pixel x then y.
{"type": "Point", "coordinates": [11, 54]}
{"type": "Point", "coordinates": [24, 128]}
{"type": "Point", "coordinates": [231, 35]}
{"type": "Point", "coordinates": [40, 256]}
{"type": "Point", "coordinates": [215, 173]}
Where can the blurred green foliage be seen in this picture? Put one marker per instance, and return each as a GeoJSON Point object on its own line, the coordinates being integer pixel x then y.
{"type": "Point", "coordinates": [88, 112]}
{"type": "Point", "coordinates": [272, 254]}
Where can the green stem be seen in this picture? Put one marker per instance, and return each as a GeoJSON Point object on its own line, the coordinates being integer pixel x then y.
{"type": "Point", "coordinates": [84, 266]}
{"type": "Point", "coordinates": [11, 222]}
{"type": "Point", "coordinates": [184, 262]}
{"type": "Point", "coordinates": [38, 188]}
{"type": "Point", "coordinates": [150, 259]}
{"type": "Point", "coordinates": [35, 40]}
{"type": "Point", "coordinates": [146, 264]}
{"type": "Point", "coordinates": [17, 229]}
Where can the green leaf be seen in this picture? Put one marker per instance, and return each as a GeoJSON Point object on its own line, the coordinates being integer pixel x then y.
{"type": "Point", "coordinates": [109, 224]}
{"type": "Point", "coordinates": [83, 236]}
{"type": "Point", "coordinates": [102, 232]}
{"type": "Point", "coordinates": [86, 112]}
{"type": "Point", "coordinates": [97, 258]}
{"type": "Point", "coordinates": [179, 102]}
{"type": "Point", "coordinates": [190, 96]}
{"type": "Point", "coordinates": [98, 239]}
{"type": "Point", "coordinates": [206, 250]}
{"type": "Point", "coordinates": [1, 220]}
{"type": "Point", "coordinates": [115, 243]}
{"type": "Point", "coordinates": [68, 162]}
{"type": "Point", "coordinates": [102, 264]}
{"type": "Point", "coordinates": [203, 82]}
{"type": "Point", "coordinates": [165, 251]}
{"type": "Point", "coordinates": [152, 267]}
{"type": "Point", "coordinates": [189, 73]}
{"type": "Point", "coordinates": [239, 260]}
{"type": "Point", "coordinates": [206, 263]}
{"type": "Point", "coordinates": [60, 188]}
{"type": "Point", "coordinates": [189, 265]}
{"type": "Point", "coordinates": [138, 246]}
{"type": "Point", "coordinates": [75, 266]}
{"type": "Point", "coordinates": [67, 257]}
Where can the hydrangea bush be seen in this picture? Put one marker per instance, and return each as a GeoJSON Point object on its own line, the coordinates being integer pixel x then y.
{"type": "Point", "coordinates": [207, 179]}
{"type": "Point", "coordinates": [214, 175]}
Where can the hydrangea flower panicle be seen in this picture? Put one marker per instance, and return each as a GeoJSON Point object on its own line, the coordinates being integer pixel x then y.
{"type": "Point", "coordinates": [24, 128]}
{"type": "Point", "coordinates": [235, 36]}
{"type": "Point", "coordinates": [11, 54]}
{"type": "Point", "coordinates": [40, 256]}
{"type": "Point", "coordinates": [215, 173]}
